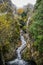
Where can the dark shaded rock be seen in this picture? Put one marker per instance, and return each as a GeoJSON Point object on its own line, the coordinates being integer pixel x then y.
{"type": "Point", "coordinates": [31, 62]}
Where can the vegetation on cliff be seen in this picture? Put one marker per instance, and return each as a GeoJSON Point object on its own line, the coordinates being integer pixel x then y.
{"type": "Point", "coordinates": [35, 29]}
{"type": "Point", "coordinates": [10, 25]}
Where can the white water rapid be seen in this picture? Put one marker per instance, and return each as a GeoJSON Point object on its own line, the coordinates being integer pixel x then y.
{"type": "Point", "coordinates": [22, 46]}
{"type": "Point", "coordinates": [19, 61]}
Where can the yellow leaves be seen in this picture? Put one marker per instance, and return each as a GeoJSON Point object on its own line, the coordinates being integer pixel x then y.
{"type": "Point", "coordinates": [20, 11]}
{"type": "Point", "coordinates": [6, 42]}
{"type": "Point", "coordinates": [4, 22]}
{"type": "Point", "coordinates": [24, 19]}
{"type": "Point", "coordinates": [4, 28]}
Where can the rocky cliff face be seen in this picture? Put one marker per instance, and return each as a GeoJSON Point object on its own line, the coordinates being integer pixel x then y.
{"type": "Point", "coordinates": [1, 1]}
{"type": "Point", "coordinates": [10, 6]}
{"type": "Point", "coordinates": [28, 7]}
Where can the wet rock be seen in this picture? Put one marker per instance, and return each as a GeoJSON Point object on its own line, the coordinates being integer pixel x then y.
{"type": "Point", "coordinates": [31, 62]}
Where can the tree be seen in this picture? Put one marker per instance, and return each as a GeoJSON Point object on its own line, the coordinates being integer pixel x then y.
{"type": "Point", "coordinates": [9, 34]}
{"type": "Point", "coordinates": [36, 27]}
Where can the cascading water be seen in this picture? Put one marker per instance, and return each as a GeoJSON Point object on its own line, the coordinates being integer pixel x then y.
{"type": "Point", "coordinates": [19, 61]}
{"type": "Point", "coordinates": [22, 46]}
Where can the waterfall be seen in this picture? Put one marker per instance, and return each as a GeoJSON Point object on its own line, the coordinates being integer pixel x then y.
{"type": "Point", "coordinates": [19, 60]}
{"type": "Point", "coordinates": [22, 46]}
{"type": "Point", "coordinates": [28, 21]}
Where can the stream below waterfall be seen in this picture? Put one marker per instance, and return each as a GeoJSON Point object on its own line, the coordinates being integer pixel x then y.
{"type": "Point", "coordinates": [19, 60]}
